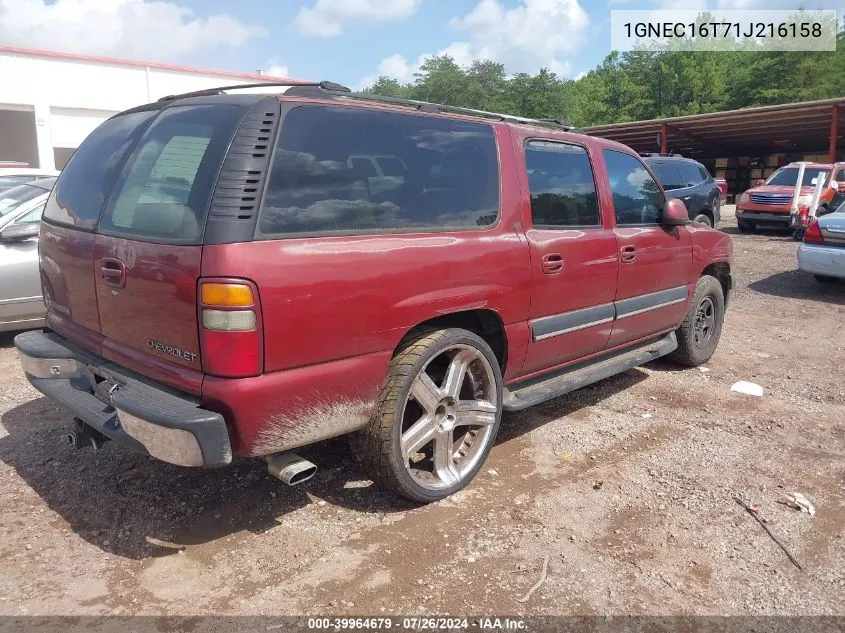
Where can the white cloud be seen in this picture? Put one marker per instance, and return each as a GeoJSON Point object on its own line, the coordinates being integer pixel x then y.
{"type": "Point", "coordinates": [126, 28]}
{"type": "Point", "coordinates": [534, 34]}
{"type": "Point", "coordinates": [530, 36]}
{"type": "Point", "coordinates": [397, 67]}
{"type": "Point", "coordinates": [328, 17]}
{"type": "Point", "coordinates": [461, 52]}
{"type": "Point", "coordinates": [274, 69]}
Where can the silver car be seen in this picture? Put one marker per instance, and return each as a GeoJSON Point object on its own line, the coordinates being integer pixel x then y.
{"type": "Point", "coordinates": [823, 251]}
{"type": "Point", "coordinates": [21, 305]}
{"type": "Point", "coordinates": [11, 177]}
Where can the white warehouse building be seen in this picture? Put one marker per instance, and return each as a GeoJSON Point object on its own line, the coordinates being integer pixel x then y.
{"type": "Point", "coordinates": [50, 101]}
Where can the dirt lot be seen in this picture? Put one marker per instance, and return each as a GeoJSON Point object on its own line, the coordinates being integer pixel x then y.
{"type": "Point", "coordinates": [627, 486]}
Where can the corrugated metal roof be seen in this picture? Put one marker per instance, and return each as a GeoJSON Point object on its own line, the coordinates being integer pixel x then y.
{"type": "Point", "coordinates": [791, 127]}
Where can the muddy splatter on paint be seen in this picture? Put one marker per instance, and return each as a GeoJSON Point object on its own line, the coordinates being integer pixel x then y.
{"type": "Point", "coordinates": [320, 420]}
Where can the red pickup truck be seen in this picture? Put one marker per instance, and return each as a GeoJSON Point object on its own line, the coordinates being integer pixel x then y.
{"type": "Point", "coordinates": [230, 274]}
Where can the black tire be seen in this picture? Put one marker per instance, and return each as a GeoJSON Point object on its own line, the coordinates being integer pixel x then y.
{"type": "Point", "coordinates": [695, 347]}
{"type": "Point", "coordinates": [826, 279]}
{"type": "Point", "coordinates": [378, 445]}
{"type": "Point", "coordinates": [745, 226]}
{"type": "Point", "coordinates": [797, 235]}
{"type": "Point", "coordinates": [703, 218]}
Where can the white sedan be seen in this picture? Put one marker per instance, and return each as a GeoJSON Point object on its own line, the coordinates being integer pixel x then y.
{"type": "Point", "coordinates": [823, 251]}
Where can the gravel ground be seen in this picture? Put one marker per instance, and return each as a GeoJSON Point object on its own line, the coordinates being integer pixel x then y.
{"type": "Point", "coordinates": [627, 486]}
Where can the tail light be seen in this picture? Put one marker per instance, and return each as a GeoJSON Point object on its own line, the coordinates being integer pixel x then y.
{"type": "Point", "coordinates": [813, 234]}
{"type": "Point", "coordinates": [231, 333]}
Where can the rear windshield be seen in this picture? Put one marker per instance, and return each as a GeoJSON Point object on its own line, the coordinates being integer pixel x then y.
{"type": "Point", "coordinates": [789, 177]}
{"type": "Point", "coordinates": [162, 194]}
{"type": "Point", "coordinates": [434, 174]}
{"type": "Point", "coordinates": [9, 182]}
{"type": "Point", "coordinates": [84, 183]}
{"type": "Point", "coordinates": [14, 198]}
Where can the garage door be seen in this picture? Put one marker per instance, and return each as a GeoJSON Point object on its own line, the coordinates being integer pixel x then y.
{"type": "Point", "coordinates": [71, 126]}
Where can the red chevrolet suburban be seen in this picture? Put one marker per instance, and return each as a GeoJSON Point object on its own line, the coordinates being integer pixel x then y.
{"type": "Point", "coordinates": [231, 274]}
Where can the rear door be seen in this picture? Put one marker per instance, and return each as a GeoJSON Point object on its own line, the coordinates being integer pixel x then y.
{"type": "Point", "coordinates": [148, 249]}
{"type": "Point", "coordinates": [655, 260]}
{"type": "Point", "coordinates": [573, 257]}
{"type": "Point", "coordinates": [67, 231]}
{"type": "Point", "coordinates": [701, 193]}
{"type": "Point", "coordinates": [670, 177]}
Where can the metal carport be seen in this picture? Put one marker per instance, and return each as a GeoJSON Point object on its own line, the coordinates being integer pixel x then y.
{"type": "Point", "coordinates": [810, 127]}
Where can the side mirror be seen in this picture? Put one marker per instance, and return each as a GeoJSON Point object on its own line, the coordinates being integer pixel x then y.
{"type": "Point", "coordinates": [760, 182]}
{"type": "Point", "coordinates": [20, 232]}
{"type": "Point", "coordinates": [675, 213]}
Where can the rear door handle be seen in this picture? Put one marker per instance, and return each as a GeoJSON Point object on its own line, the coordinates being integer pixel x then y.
{"type": "Point", "coordinates": [552, 263]}
{"type": "Point", "coordinates": [113, 272]}
{"type": "Point", "coordinates": [628, 254]}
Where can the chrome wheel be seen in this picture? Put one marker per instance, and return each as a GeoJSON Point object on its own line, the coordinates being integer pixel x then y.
{"type": "Point", "coordinates": [705, 322]}
{"type": "Point", "coordinates": [449, 417]}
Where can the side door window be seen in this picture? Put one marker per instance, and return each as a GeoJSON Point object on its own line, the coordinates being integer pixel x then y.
{"type": "Point", "coordinates": [451, 182]}
{"type": "Point", "coordinates": [637, 199]}
{"type": "Point", "coordinates": [561, 185]}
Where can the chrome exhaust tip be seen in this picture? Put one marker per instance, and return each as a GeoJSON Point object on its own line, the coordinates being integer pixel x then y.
{"type": "Point", "coordinates": [290, 468]}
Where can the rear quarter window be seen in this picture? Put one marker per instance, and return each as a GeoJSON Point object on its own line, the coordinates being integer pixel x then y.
{"type": "Point", "coordinates": [691, 174]}
{"type": "Point", "coordinates": [438, 174]}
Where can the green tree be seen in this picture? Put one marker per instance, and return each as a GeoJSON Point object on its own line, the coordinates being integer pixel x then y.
{"type": "Point", "coordinates": [388, 87]}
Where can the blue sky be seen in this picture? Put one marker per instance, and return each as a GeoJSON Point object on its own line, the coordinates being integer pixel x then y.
{"type": "Point", "coordinates": [349, 41]}
{"type": "Point", "coordinates": [363, 44]}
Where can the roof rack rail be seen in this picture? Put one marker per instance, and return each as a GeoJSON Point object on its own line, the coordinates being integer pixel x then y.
{"type": "Point", "coordinates": [332, 89]}
{"type": "Point", "coordinates": [659, 155]}
{"type": "Point", "coordinates": [426, 106]}
{"type": "Point", "coordinates": [325, 85]}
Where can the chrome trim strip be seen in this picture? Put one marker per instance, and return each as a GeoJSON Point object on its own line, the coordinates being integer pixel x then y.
{"type": "Point", "coordinates": [583, 318]}
{"type": "Point", "coordinates": [650, 308]}
{"type": "Point", "coordinates": [557, 324]}
{"type": "Point", "coordinates": [651, 301]}
{"type": "Point", "coordinates": [572, 329]}
{"type": "Point", "coordinates": [20, 299]}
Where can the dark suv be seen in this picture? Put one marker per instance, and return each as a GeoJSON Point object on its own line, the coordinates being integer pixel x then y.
{"type": "Point", "coordinates": [688, 180]}
{"type": "Point", "coordinates": [231, 274]}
